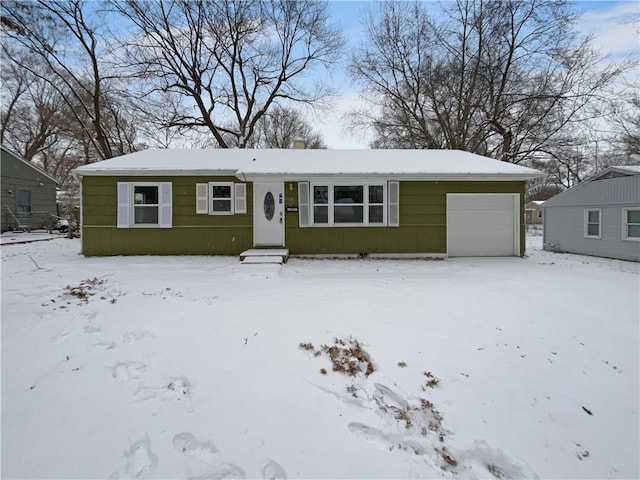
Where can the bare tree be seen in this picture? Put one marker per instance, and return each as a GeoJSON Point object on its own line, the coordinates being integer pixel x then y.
{"type": "Point", "coordinates": [497, 78]}
{"type": "Point", "coordinates": [37, 121]}
{"type": "Point", "coordinates": [281, 126]}
{"type": "Point", "coordinates": [625, 123]}
{"type": "Point", "coordinates": [64, 39]}
{"type": "Point", "coordinates": [230, 61]}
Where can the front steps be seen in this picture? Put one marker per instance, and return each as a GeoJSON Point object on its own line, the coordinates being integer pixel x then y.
{"type": "Point", "coordinates": [262, 256]}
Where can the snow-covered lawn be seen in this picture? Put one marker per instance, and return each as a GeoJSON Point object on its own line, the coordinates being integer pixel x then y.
{"type": "Point", "coordinates": [192, 367]}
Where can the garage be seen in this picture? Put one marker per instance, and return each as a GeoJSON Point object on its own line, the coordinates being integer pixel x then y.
{"type": "Point", "coordinates": [483, 225]}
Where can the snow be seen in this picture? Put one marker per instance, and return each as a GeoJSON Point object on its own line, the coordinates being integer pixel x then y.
{"type": "Point", "coordinates": [628, 168]}
{"type": "Point", "coordinates": [294, 163]}
{"type": "Point", "coordinates": [191, 367]}
{"type": "Point", "coordinates": [8, 238]}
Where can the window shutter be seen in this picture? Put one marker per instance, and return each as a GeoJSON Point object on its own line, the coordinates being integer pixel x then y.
{"type": "Point", "coordinates": [303, 204]}
{"type": "Point", "coordinates": [202, 198]}
{"type": "Point", "coordinates": [124, 205]}
{"type": "Point", "coordinates": [165, 205]}
{"type": "Point", "coordinates": [393, 210]}
{"type": "Point", "coordinates": [240, 200]}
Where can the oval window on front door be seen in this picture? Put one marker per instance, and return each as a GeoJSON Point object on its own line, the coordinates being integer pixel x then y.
{"type": "Point", "coordinates": [269, 206]}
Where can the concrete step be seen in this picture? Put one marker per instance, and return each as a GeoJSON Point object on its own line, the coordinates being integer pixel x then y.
{"type": "Point", "coordinates": [264, 255]}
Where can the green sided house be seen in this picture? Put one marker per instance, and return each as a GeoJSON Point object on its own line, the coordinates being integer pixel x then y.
{"type": "Point", "coordinates": [224, 201]}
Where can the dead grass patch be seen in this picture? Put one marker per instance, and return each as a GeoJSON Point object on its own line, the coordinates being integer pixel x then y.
{"type": "Point", "coordinates": [347, 356]}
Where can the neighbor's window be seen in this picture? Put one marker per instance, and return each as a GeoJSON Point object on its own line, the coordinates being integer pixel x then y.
{"type": "Point", "coordinates": [23, 203]}
{"type": "Point", "coordinates": [220, 198]}
{"type": "Point", "coordinates": [631, 224]}
{"type": "Point", "coordinates": [145, 204]}
{"type": "Point", "coordinates": [358, 204]}
{"type": "Point", "coordinates": [592, 223]}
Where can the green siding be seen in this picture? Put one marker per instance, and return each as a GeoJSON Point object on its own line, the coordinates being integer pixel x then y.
{"type": "Point", "coordinates": [191, 234]}
{"type": "Point", "coordinates": [423, 222]}
{"type": "Point", "coordinates": [423, 219]}
{"type": "Point", "coordinates": [18, 175]}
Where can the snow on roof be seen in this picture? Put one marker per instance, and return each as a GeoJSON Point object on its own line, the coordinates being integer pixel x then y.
{"type": "Point", "coordinates": [298, 163]}
{"type": "Point", "coordinates": [628, 168]}
{"type": "Point", "coordinates": [621, 170]}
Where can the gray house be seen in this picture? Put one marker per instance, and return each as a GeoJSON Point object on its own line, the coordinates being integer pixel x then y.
{"type": "Point", "coordinates": [600, 216]}
{"type": "Point", "coordinates": [28, 194]}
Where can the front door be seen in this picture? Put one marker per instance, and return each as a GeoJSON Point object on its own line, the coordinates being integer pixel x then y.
{"type": "Point", "coordinates": [268, 214]}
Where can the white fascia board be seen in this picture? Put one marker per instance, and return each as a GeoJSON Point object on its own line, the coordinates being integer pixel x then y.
{"type": "Point", "coordinates": [298, 177]}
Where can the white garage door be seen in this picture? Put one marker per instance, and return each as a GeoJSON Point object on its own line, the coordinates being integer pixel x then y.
{"type": "Point", "coordinates": [483, 225]}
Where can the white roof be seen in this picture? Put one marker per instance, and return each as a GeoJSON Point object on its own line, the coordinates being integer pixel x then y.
{"type": "Point", "coordinates": [627, 168]}
{"type": "Point", "coordinates": [298, 164]}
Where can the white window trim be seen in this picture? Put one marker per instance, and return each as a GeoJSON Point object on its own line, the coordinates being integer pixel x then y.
{"type": "Point", "coordinates": [625, 224]}
{"type": "Point", "coordinates": [231, 198]}
{"type": "Point", "coordinates": [128, 221]}
{"type": "Point", "coordinates": [586, 222]}
{"type": "Point", "coordinates": [365, 205]}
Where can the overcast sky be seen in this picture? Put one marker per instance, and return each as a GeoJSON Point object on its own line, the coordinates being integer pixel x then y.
{"type": "Point", "coordinates": [609, 22]}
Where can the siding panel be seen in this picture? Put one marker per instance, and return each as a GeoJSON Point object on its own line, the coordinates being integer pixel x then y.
{"type": "Point", "coordinates": [191, 233]}
{"type": "Point", "coordinates": [564, 232]}
{"type": "Point", "coordinates": [422, 222]}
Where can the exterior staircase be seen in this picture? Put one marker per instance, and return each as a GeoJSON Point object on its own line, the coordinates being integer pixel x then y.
{"type": "Point", "coordinates": [255, 256]}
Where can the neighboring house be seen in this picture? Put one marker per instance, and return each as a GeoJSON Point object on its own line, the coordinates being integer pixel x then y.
{"type": "Point", "coordinates": [223, 201]}
{"type": "Point", "coordinates": [600, 216]}
{"type": "Point", "coordinates": [28, 194]}
{"type": "Point", "coordinates": [533, 212]}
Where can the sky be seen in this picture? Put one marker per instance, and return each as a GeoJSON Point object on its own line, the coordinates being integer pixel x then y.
{"type": "Point", "coordinates": [607, 21]}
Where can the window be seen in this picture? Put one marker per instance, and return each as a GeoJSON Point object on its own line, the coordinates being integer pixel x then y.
{"type": "Point", "coordinates": [592, 223]}
{"type": "Point", "coordinates": [321, 204]}
{"type": "Point", "coordinates": [144, 204]}
{"type": "Point", "coordinates": [348, 204]}
{"type": "Point", "coordinates": [221, 198]}
{"type": "Point", "coordinates": [631, 224]}
{"type": "Point", "coordinates": [23, 203]}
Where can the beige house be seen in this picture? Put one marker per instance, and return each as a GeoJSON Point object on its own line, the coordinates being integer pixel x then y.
{"type": "Point", "coordinates": [534, 213]}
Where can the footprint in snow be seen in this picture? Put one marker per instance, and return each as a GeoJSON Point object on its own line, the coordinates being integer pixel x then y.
{"type": "Point", "coordinates": [202, 459]}
{"type": "Point", "coordinates": [175, 388]}
{"type": "Point", "coordinates": [126, 371]}
{"type": "Point", "coordinates": [273, 471]}
{"type": "Point", "coordinates": [60, 337]}
{"type": "Point", "coordinates": [134, 337]}
{"type": "Point", "coordinates": [104, 345]}
{"type": "Point", "coordinates": [91, 329]}
{"type": "Point", "coordinates": [481, 459]}
{"type": "Point", "coordinates": [138, 462]}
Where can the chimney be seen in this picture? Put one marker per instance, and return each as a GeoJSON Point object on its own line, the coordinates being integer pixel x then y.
{"type": "Point", "coordinates": [299, 143]}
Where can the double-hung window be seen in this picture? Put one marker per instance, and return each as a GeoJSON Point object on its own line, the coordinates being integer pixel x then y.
{"type": "Point", "coordinates": [23, 200]}
{"type": "Point", "coordinates": [144, 204]}
{"type": "Point", "coordinates": [348, 204]}
{"type": "Point", "coordinates": [592, 223]}
{"type": "Point", "coordinates": [631, 224]}
{"type": "Point", "coordinates": [221, 198]}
